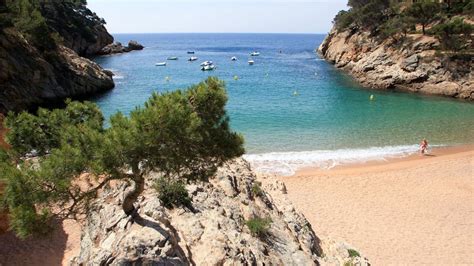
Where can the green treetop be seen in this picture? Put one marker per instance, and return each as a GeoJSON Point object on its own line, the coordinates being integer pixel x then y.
{"type": "Point", "coordinates": [184, 135]}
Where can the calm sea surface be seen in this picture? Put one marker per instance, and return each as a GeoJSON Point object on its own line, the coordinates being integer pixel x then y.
{"type": "Point", "coordinates": [293, 108]}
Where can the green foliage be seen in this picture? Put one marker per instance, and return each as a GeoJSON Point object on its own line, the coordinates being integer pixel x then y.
{"type": "Point", "coordinates": [424, 12]}
{"type": "Point", "coordinates": [353, 253]}
{"type": "Point", "coordinates": [172, 193]}
{"type": "Point", "coordinates": [183, 134]}
{"type": "Point", "coordinates": [259, 226]}
{"type": "Point", "coordinates": [257, 189]}
{"type": "Point", "coordinates": [41, 133]}
{"type": "Point", "coordinates": [399, 25]}
{"type": "Point", "coordinates": [343, 20]}
{"type": "Point", "coordinates": [27, 18]}
{"type": "Point", "coordinates": [454, 35]}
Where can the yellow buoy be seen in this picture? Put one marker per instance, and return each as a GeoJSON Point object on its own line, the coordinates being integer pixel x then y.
{"type": "Point", "coordinates": [372, 97]}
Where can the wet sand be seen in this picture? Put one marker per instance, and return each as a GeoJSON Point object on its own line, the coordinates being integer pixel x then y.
{"type": "Point", "coordinates": [415, 210]}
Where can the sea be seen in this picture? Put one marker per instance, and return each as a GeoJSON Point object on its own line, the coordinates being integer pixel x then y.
{"type": "Point", "coordinates": [294, 109]}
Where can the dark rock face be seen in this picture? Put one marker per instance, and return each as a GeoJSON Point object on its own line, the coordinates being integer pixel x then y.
{"type": "Point", "coordinates": [29, 77]}
{"type": "Point", "coordinates": [118, 48]}
{"type": "Point", "coordinates": [82, 30]}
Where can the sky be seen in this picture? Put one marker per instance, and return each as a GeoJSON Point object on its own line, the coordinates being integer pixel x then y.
{"type": "Point", "coordinates": [196, 16]}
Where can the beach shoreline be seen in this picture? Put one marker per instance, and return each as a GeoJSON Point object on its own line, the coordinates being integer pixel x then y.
{"type": "Point", "coordinates": [411, 210]}
{"type": "Point", "coordinates": [388, 162]}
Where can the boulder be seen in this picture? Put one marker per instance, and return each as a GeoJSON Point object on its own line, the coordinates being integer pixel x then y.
{"type": "Point", "coordinates": [118, 48]}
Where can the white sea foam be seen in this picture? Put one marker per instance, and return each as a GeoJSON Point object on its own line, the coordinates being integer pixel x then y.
{"type": "Point", "coordinates": [287, 163]}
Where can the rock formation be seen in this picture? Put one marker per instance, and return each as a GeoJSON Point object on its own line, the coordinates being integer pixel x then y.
{"type": "Point", "coordinates": [414, 66]}
{"type": "Point", "coordinates": [212, 232]}
{"type": "Point", "coordinates": [31, 75]}
{"type": "Point", "coordinates": [118, 48]}
{"type": "Point", "coordinates": [81, 29]}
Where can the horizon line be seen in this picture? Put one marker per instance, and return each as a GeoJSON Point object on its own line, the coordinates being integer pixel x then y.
{"type": "Point", "coordinates": [289, 33]}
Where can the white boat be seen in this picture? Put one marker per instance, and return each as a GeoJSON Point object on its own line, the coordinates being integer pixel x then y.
{"type": "Point", "coordinates": [233, 58]}
{"type": "Point", "coordinates": [206, 63]}
{"type": "Point", "coordinates": [161, 64]}
{"type": "Point", "coordinates": [254, 54]}
{"type": "Point", "coordinates": [193, 58]}
{"type": "Point", "coordinates": [251, 62]}
{"type": "Point", "coordinates": [208, 67]}
{"type": "Point", "coordinates": [172, 58]}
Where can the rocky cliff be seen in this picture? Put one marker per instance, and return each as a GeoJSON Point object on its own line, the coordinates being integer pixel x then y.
{"type": "Point", "coordinates": [414, 66]}
{"type": "Point", "coordinates": [211, 232]}
{"type": "Point", "coordinates": [31, 75]}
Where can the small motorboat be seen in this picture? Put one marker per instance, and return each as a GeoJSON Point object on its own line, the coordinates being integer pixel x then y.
{"type": "Point", "coordinates": [161, 64]}
{"type": "Point", "coordinates": [172, 58]}
{"type": "Point", "coordinates": [254, 54]}
{"type": "Point", "coordinates": [193, 58]}
{"type": "Point", "coordinates": [233, 58]}
{"type": "Point", "coordinates": [206, 63]}
{"type": "Point", "coordinates": [251, 62]}
{"type": "Point", "coordinates": [208, 67]}
{"type": "Point", "coordinates": [190, 52]}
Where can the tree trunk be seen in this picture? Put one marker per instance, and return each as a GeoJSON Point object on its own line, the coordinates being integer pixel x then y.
{"type": "Point", "coordinates": [423, 28]}
{"type": "Point", "coordinates": [132, 195]}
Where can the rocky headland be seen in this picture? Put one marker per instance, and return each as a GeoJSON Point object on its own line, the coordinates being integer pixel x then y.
{"type": "Point", "coordinates": [212, 232]}
{"type": "Point", "coordinates": [413, 66]}
{"type": "Point", "coordinates": [43, 54]}
{"type": "Point", "coordinates": [118, 48]}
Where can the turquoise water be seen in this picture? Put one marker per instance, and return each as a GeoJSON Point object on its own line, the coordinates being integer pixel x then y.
{"type": "Point", "coordinates": [330, 120]}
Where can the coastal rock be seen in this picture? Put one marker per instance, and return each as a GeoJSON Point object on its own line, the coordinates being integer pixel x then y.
{"type": "Point", "coordinates": [410, 63]}
{"type": "Point", "coordinates": [118, 48]}
{"type": "Point", "coordinates": [413, 67]}
{"type": "Point", "coordinates": [134, 45]}
{"type": "Point", "coordinates": [32, 75]}
{"type": "Point", "coordinates": [81, 29]}
{"type": "Point", "coordinates": [212, 232]}
{"type": "Point", "coordinates": [29, 77]}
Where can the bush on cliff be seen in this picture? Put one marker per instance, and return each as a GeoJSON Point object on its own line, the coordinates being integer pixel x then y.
{"type": "Point", "coordinates": [454, 35]}
{"type": "Point", "coordinates": [184, 135]}
{"type": "Point", "coordinates": [259, 226]}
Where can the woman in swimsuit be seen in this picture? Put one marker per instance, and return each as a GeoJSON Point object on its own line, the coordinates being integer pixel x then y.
{"type": "Point", "coordinates": [423, 146]}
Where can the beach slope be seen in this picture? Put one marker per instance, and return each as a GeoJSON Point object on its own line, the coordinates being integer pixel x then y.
{"type": "Point", "coordinates": [415, 211]}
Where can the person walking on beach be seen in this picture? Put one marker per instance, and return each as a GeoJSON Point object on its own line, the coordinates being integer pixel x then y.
{"type": "Point", "coordinates": [423, 146]}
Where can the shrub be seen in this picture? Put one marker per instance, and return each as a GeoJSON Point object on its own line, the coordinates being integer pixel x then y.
{"type": "Point", "coordinates": [454, 35]}
{"type": "Point", "coordinates": [257, 189]}
{"type": "Point", "coordinates": [172, 193]}
{"type": "Point", "coordinates": [353, 253]}
{"type": "Point", "coordinates": [259, 226]}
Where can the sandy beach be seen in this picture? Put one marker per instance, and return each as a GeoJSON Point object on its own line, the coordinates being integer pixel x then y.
{"type": "Point", "coordinates": [411, 211]}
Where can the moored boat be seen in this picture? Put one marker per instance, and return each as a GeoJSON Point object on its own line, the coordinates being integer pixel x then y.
{"type": "Point", "coordinates": [208, 67]}
{"type": "Point", "coordinates": [160, 64]}
{"type": "Point", "coordinates": [254, 54]}
{"type": "Point", "coordinates": [190, 52]}
{"type": "Point", "coordinates": [193, 58]}
{"type": "Point", "coordinates": [206, 63]}
{"type": "Point", "coordinates": [233, 58]}
{"type": "Point", "coordinates": [251, 62]}
{"type": "Point", "coordinates": [172, 58]}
